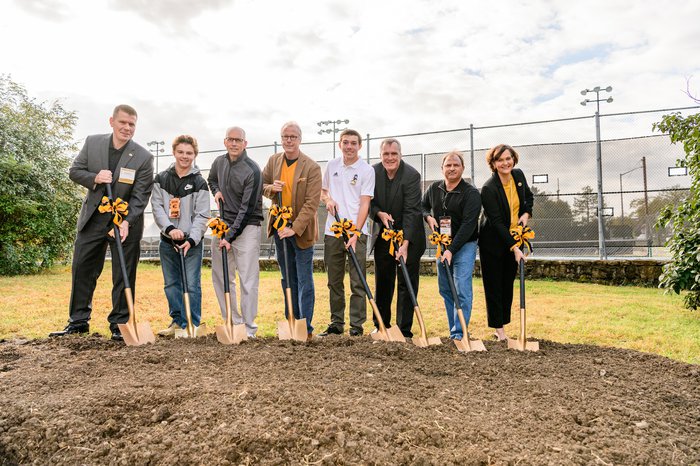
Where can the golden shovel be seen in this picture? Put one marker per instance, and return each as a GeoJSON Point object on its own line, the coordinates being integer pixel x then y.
{"type": "Point", "coordinates": [521, 344]}
{"type": "Point", "coordinates": [228, 334]}
{"type": "Point", "coordinates": [390, 334]}
{"type": "Point", "coordinates": [291, 328]}
{"type": "Point", "coordinates": [466, 344]}
{"type": "Point", "coordinates": [423, 340]}
{"type": "Point", "coordinates": [191, 331]}
{"type": "Point", "coordinates": [134, 334]}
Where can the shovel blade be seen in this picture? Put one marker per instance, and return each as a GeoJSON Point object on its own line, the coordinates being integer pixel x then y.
{"type": "Point", "coordinates": [434, 341]}
{"type": "Point", "coordinates": [202, 330]}
{"type": "Point", "coordinates": [390, 334]}
{"type": "Point", "coordinates": [283, 330]}
{"type": "Point", "coordinates": [294, 331]}
{"type": "Point", "coordinates": [524, 345]}
{"type": "Point", "coordinates": [465, 345]}
{"type": "Point", "coordinates": [140, 334]}
{"type": "Point", "coordinates": [395, 334]}
{"type": "Point", "coordinates": [420, 342]}
{"type": "Point", "coordinates": [231, 335]}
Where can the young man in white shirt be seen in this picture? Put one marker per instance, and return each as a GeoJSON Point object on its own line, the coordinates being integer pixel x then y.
{"type": "Point", "coordinates": [348, 188]}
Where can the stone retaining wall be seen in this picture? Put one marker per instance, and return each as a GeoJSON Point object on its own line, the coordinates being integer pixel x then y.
{"type": "Point", "coordinates": [641, 272]}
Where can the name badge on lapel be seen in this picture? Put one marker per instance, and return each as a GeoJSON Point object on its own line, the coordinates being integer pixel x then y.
{"type": "Point", "coordinates": [127, 175]}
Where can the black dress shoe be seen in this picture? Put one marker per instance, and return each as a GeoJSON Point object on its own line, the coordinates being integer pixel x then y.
{"type": "Point", "coordinates": [117, 335]}
{"type": "Point", "coordinates": [355, 332]}
{"type": "Point", "coordinates": [71, 329]}
{"type": "Point", "coordinates": [331, 330]}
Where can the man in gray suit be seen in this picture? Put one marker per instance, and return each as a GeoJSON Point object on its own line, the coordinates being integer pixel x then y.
{"type": "Point", "coordinates": [115, 159]}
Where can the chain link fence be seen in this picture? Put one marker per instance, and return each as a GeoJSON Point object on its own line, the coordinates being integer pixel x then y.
{"type": "Point", "coordinates": [559, 158]}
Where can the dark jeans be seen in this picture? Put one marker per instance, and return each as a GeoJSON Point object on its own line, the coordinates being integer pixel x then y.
{"type": "Point", "coordinates": [301, 279]}
{"type": "Point", "coordinates": [173, 284]}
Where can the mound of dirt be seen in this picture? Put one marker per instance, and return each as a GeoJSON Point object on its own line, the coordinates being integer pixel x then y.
{"type": "Point", "coordinates": [342, 400]}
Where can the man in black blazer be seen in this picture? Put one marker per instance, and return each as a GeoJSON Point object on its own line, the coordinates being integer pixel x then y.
{"type": "Point", "coordinates": [397, 199]}
{"type": "Point", "coordinates": [115, 159]}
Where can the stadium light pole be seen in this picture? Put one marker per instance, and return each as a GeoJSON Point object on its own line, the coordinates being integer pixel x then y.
{"type": "Point", "coordinates": [601, 221]}
{"type": "Point", "coordinates": [334, 130]}
{"type": "Point", "coordinates": [157, 150]}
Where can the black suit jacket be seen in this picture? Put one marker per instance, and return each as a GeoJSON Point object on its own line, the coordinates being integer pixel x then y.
{"type": "Point", "coordinates": [403, 202]}
{"type": "Point", "coordinates": [494, 229]}
{"type": "Point", "coordinates": [93, 157]}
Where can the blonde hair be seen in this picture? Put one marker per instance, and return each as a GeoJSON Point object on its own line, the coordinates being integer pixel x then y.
{"type": "Point", "coordinates": [455, 153]}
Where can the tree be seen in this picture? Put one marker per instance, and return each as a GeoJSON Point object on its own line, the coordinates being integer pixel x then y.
{"type": "Point", "coordinates": [586, 204]}
{"type": "Point", "coordinates": [683, 272]}
{"type": "Point", "coordinates": [552, 218]}
{"type": "Point", "coordinates": [656, 204]}
{"type": "Point", "coordinates": [38, 203]}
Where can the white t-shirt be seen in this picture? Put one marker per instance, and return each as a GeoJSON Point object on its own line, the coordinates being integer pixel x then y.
{"type": "Point", "coordinates": [346, 183]}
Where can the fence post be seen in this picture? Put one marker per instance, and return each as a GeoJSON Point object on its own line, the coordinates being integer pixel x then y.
{"type": "Point", "coordinates": [367, 148]}
{"type": "Point", "coordinates": [471, 144]}
{"type": "Point", "coordinates": [602, 253]}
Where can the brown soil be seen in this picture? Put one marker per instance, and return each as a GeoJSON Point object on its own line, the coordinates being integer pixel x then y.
{"type": "Point", "coordinates": [342, 400]}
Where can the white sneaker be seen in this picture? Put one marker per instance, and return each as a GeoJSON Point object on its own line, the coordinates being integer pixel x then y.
{"type": "Point", "coordinates": [170, 331]}
{"type": "Point", "coordinates": [180, 333]}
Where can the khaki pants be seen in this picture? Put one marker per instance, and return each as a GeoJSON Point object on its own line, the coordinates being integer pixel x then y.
{"type": "Point", "coordinates": [335, 255]}
{"type": "Point", "coordinates": [243, 257]}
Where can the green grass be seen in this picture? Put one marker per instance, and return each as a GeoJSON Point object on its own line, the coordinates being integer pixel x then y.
{"type": "Point", "coordinates": [643, 319]}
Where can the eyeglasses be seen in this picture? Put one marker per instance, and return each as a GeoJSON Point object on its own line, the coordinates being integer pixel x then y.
{"type": "Point", "coordinates": [290, 137]}
{"type": "Point", "coordinates": [236, 140]}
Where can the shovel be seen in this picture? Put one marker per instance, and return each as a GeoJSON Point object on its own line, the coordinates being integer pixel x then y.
{"type": "Point", "coordinates": [134, 334]}
{"type": "Point", "coordinates": [228, 334]}
{"type": "Point", "coordinates": [521, 344]}
{"type": "Point", "coordinates": [465, 344]}
{"type": "Point", "coordinates": [291, 328]}
{"type": "Point", "coordinates": [423, 340]}
{"type": "Point", "coordinates": [191, 331]}
{"type": "Point", "coordinates": [390, 334]}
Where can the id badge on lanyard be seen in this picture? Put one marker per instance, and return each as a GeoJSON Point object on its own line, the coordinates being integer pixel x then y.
{"type": "Point", "coordinates": [446, 226]}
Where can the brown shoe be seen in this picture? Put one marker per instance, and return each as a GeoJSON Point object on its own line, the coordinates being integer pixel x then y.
{"type": "Point", "coordinates": [309, 337]}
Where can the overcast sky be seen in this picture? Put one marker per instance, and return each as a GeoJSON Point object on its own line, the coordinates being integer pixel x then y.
{"type": "Point", "coordinates": [390, 67]}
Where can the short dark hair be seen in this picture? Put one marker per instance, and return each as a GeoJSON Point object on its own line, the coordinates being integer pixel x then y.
{"type": "Point", "coordinates": [495, 153]}
{"type": "Point", "coordinates": [186, 139]}
{"type": "Point", "coordinates": [128, 109]}
{"type": "Point", "coordinates": [350, 132]}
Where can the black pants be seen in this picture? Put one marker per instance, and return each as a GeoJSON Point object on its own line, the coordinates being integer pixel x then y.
{"type": "Point", "coordinates": [386, 269]}
{"type": "Point", "coordinates": [498, 272]}
{"type": "Point", "coordinates": [88, 260]}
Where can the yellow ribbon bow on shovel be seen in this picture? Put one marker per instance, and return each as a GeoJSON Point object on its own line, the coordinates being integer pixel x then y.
{"type": "Point", "coordinates": [522, 236]}
{"type": "Point", "coordinates": [218, 227]}
{"type": "Point", "coordinates": [441, 241]}
{"type": "Point", "coordinates": [344, 226]}
{"type": "Point", "coordinates": [393, 236]}
{"type": "Point", "coordinates": [282, 216]}
{"type": "Point", "coordinates": [119, 208]}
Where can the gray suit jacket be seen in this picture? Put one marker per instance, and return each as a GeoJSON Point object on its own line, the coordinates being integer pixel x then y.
{"type": "Point", "coordinates": [93, 157]}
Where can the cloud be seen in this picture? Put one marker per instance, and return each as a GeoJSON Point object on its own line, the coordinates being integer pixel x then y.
{"type": "Point", "coordinates": [51, 10]}
{"type": "Point", "coordinates": [172, 16]}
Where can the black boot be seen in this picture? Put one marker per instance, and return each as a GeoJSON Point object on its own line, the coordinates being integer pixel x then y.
{"type": "Point", "coordinates": [72, 329]}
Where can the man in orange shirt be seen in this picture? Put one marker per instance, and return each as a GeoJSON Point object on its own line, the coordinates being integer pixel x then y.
{"type": "Point", "coordinates": [298, 178]}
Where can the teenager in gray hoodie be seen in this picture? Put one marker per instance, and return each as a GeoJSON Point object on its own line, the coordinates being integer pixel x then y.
{"type": "Point", "coordinates": [180, 203]}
